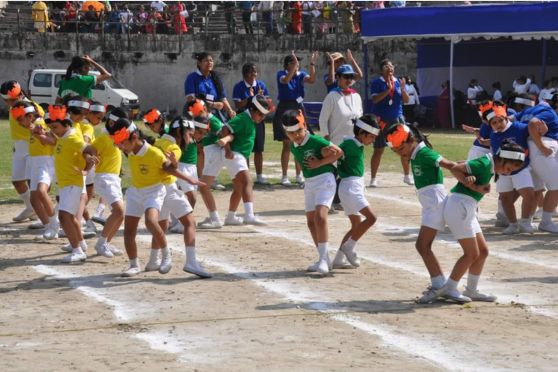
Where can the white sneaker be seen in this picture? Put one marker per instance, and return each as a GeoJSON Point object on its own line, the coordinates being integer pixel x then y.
{"type": "Point", "coordinates": [25, 214]}
{"type": "Point", "coordinates": [178, 228]}
{"type": "Point", "coordinates": [196, 269]}
{"type": "Point", "coordinates": [90, 227]}
{"type": "Point", "coordinates": [550, 227]}
{"type": "Point", "coordinates": [454, 295]}
{"type": "Point", "coordinates": [37, 225]}
{"type": "Point", "coordinates": [321, 267]}
{"type": "Point", "coordinates": [103, 250]}
{"type": "Point", "coordinates": [88, 234]}
{"type": "Point", "coordinates": [208, 223]}
{"type": "Point", "coordinates": [351, 256]}
{"type": "Point", "coordinates": [285, 181]}
{"type": "Point", "coordinates": [262, 180]}
{"type": "Point", "coordinates": [66, 248]}
{"type": "Point", "coordinates": [538, 214]}
{"type": "Point", "coordinates": [408, 180]}
{"type": "Point", "coordinates": [233, 220]}
{"type": "Point", "coordinates": [131, 271]}
{"type": "Point", "coordinates": [299, 179]}
{"type": "Point", "coordinates": [501, 220]}
{"type": "Point", "coordinates": [217, 186]}
{"type": "Point", "coordinates": [51, 232]}
{"type": "Point", "coordinates": [166, 264]}
{"type": "Point", "coordinates": [115, 250]}
{"type": "Point", "coordinates": [512, 229]}
{"type": "Point", "coordinates": [429, 295]}
{"type": "Point", "coordinates": [78, 256]}
{"type": "Point", "coordinates": [478, 296]}
{"type": "Point", "coordinates": [526, 227]}
{"type": "Point", "coordinates": [153, 265]}
{"type": "Point", "coordinates": [340, 261]}
{"type": "Point", "coordinates": [254, 220]}
{"type": "Point", "coordinates": [373, 183]}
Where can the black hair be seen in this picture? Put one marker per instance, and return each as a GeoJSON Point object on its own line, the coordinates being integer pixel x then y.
{"type": "Point", "coordinates": [496, 85]}
{"type": "Point", "coordinates": [8, 85]}
{"type": "Point", "coordinates": [368, 119]}
{"type": "Point", "coordinates": [494, 103]}
{"type": "Point", "coordinates": [261, 100]}
{"type": "Point", "coordinates": [66, 122]}
{"type": "Point", "coordinates": [247, 68]}
{"type": "Point", "coordinates": [178, 131]}
{"type": "Point", "coordinates": [190, 104]}
{"type": "Point", "coordinates": [290, 118]}
{"type": "Point", "coordinates": [76, 64]}
{"type": "Point", "coordinates": [415, 133]}
{"type": "Point", "coordinates": [509, 145]}
{"type": "Point", "coordinates": [384, 62]}
{"type": "Point", "coordinates": [117, 111]}
{"type": "Point", "coordinates": [212, 74]}
{"type": "Point", "coordinates": [554, 100]}
{"type": "Point", "coordinates": [74, 110]}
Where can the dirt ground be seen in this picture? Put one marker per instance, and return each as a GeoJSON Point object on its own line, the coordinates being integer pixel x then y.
{"type": "Point", "coordinates": [261, 310]}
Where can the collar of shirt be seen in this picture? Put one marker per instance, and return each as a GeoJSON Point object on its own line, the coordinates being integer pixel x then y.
{"type": "Point", "coordinates": [143, 149]}
{"type": "Point", "coordinates": [200, 74]}
{"type": "Point", "coordinates": [354, 139]}
{"type": "Point", "coordinates": [304, 141]}
{"type": "Point", "coordinates": [68, 133]}
{"type": "Point", "coordinates": [168, 138]}
{"type": "Point", "coordinates": [417, 149]}
{"type": "Point", "coordinates": [255, 84]}
{"type": "Point", "coordinates": [384, 80]}
{"type": "Point", "coordinates": [297, 73]}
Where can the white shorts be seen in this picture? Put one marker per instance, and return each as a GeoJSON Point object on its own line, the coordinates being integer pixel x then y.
{"type": "Point", "coordinates": [175, 202]}
{"type": "Point", "coordinates": [41, 171]}
{"type": "Point", "coordinates": [476, 152]}
{"type": "Point", "coordinates": [90, 177]}
{"type": "Point", "coordinates": [460, 213]}
{"type": "Point", "coordinates": [213, 161]}
{"type": "Point", "coordinates": [319, 190]}
{"type": "Point", "coordinates": [521, 180]}
{"type": "Point", "coordinates": [236, 165]}
{"type": "Point", "coordinates": [69, 199]}
{"type": "Point", "coordinates": [189, 170]}
{"type": "Point", "coordinates": [433, 199]}
{"type": "Point", "coordinates": [108, 186]}
{"type": "Point", "coordinates": [545, 168]}
{"type": "Point", "coordinates": [20, 161]}
{"type": "Point", "coordinates": [140, 200]}
{"type": "Point", "coordinates": [351, 193]}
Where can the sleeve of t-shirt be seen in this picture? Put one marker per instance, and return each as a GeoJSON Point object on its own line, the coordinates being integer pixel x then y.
{"type": "Point", "coordinates": [237, 92]}
{"type": "Point", "coordinates": [485, 130]}
{"type": "Point", "coordinates": [477, 166]}
{"type": "Point", "coordinates": [91, 80]}
{"type": "Point", "coordinates": [431, 157]}
{"type": "Point", "coordinates": [215, 125]}
{"type": "Point", "coordinates": [547, 116]}
{"type": "Point", "coordinates": [176, 150]}
{"type": "Point", "coordinates": [280, 74]}
{"type": "Point", "coordinates": [77, 144]}
{"type": "Point", "coordinates": [189, 86]}
{"type": "Point", "coordinates": [303, 75]}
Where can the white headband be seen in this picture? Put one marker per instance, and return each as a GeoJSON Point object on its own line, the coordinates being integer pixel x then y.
{"type": "Point", "coordinates": [97, 108]}
{"type": "Point", "coordinates": [490, 115]}
{"type": "Point", "coordinates": [132, 127]}
{"type": "Point", "coordinates": [175, 124]}
{"type": "Point", "coordinates": [512, 155]}
{"type": "Point", "coordinates": [197, 124]}
{"type": "Point", "coordinates": [367, 127]}
{"type": "Point", "coordinates": [113, 117]}
{"type": "Point", "coordinates": [259, 106]}
{"type": "Point", "coordinates": [524, 101]}
{"type": "Point", "coordinates": [548, 95]}
{"type": "Point", "coordinates": [81, 104]}
{"type": "Point", "coordinates": [29, 109]}
{"type": "Point", "coordinates": [292, 128]}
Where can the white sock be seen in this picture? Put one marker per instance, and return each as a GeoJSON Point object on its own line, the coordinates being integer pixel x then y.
{"type": "Point", "coordinates": [322, 250]}
{"type": "Point", "coordinates": [190, 255]}
{"type": "Point", "coordinates": [166, 252]}
{"type": "Point", "coordinates": [53, 219]}
{"type": "Point", "coordinates": [214, 215]}
{"type": "Point", "coordinates": [249, 209]}
{"type": "Point", "coordinates": [350, 244]}
{"type": "Point", "coordinates": [472, 282]}
{"type": "Point", "coordinates": [134, 262]}
{"type": "Point", "coordinates": [77, 250]}
{"type": "Point", "coordinates": [153, 255]}
{"type": "Point", "coordinates": [231, 214]}
{"type": "Point", "coordinates": [438, 281]}
{"type": "Point", "coordinates": [26, 197]}
{"type": "Point", "coordinates": [546, 217]}
{"type": "Point", "coordinates": [452, 284]}
{"type": "Point", "coordinates": [83, 245]}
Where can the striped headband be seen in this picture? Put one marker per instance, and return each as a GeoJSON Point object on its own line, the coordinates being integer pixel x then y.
{"type": "Point", "coordinates": [81, 104]}
{"type": "Point", "coordinates": [367, 127]}
{"type": "Point", "coordinates": [197, 124]}
{"type": "Point", "coordinates": [524, 101]}
{"type": "Point", "coordinates": [512, 155]}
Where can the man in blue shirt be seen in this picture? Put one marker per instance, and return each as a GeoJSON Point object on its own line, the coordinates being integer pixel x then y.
{"type": "Point", "coordinates": [243, 92]}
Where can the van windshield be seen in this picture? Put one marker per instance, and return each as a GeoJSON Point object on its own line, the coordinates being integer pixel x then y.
{"type": "Point", "coordinates": [114, 84]}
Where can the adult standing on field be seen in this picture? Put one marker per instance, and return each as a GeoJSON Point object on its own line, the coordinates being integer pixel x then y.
{"type": "Point", "coordinates": [388, 96]}
{"type": "Point", "coordinates": [77, 81]}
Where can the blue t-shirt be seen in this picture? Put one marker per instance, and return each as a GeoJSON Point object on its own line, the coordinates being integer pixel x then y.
{"type": "Point", "coordinates": [241, 91]}
{"type": "Point", "coordinates": [294, 89]}
{"type": "Point", "coordinates": [383, 109]}
{"type": "Point", "coordinates": [332, 86]}
{"type": "Point", "coordinates": [518, 132]}
{"type": "Point", "coordinates": [485, 131]}
{"type": "Point", "coordinates": [544, 113]}
{"type": "Point", "coordinates": [200, 86]}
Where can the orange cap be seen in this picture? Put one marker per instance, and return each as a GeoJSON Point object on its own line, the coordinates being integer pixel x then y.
{"type": "Point", "coordinates": [152, 116]}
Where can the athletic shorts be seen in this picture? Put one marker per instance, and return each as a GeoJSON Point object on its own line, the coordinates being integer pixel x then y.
{"type": "Point", "coordinates": [523, 179]}
{"type": "Point", "coordinates": [236, 165]}
{"type": "Point", "coordinates": [41, 171]}
{"type": "Point", "coordinates": [189, 170]}
{"type": "Point", "coordinates": [175, 202]}
{"type": "Point", "coordinates": [433, 199]}
{"type": "Point", "coordinates": [259, 142]}
{"type": "Point", "coordinates": [108, 186]}
{"type": "Point", "coordinates": [476, 152]}
{"type": "Point", "coordinates": [140, 200]}
{"type": "Point", "coordinates": [460, 213]}
{"type": "Point", "coordinates": [214, 160]}
{"type": "Point", "coordinates": [319, 190]}
{"type": "Point", "coordinates": [69, 199]}
{"type": "Point", "coordinates": [545, 168]}
{"type": "Point", "coordinates": [20, 161]}
{"type": "Point", "coordinates": [351, 194]}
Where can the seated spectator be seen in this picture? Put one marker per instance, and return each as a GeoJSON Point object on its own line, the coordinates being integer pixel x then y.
{"type": "Point", "coordinates": [346, 11]}
{"type": "Point", "coordinates": [521, 85]}
{"type": "Point", "coordinates": [533, 88]}
{"type": "Point", "coordinates": [497, 95]}
{"type": "Point", "coordinates": [152, 21]}
{"type": "Point", "coordinates": [473, 91]}
{"type": "Point", "coordinates": [546, 90]}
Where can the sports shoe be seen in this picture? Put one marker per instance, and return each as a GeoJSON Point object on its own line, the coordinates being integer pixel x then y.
{"type": "Point", "coordinates": [90, 227]}
{"type": "Point", "coordinates": [115, 250]}
{"type": "Point", "coordinates": [217, 186]}
{"type": "Point", "coordinates": [233, 220]}
{"type": "Point", "coordinates": [478, 296]}
{"type": "Point", "coordinates": [66, 248]}
{"type": "Point", "coordinates": [103, 250]}
{"type": "Point", "coordinates": [408, 180]}
{"type": "Point", "coordinates": [526, 227]}
{"type": "Point", "coordinates": [285, 181]}
{"type": "Point", "coordinates": [177, 228]}
{"type": "Point", "coordinates": [51, 231]}
{"type": "Point", "coordinates": [512, 229]}
{"type": "Point", "coordinates": [429, 295]}
{"type": "Point", "coordinates": [27, 213]}
{"type": "Point", "coordinates": [261, 180]}
{"type": "Point", "coordinates": [208, 223]}
{"type": "Point", "coordinates": [351, 256]}
{"type": "Point", "coordinates": [550, 227]}
{"type": "Point", "coordinates": [321, 267]}
{"type": "Point", "coordinates": [538, 214]}
{"type": "Point", "coordinates": [36, 225]}
{"type": "Point", "coordinates": [166, 264]}
{"type": "Point", "coordinates": [131, 271]}
{"type": "Point", "coordinates": [99, 220]}
{"type": "Point", "coordinates": [454, 295]}
{"type": "Point", "coordinates": [254, 220]}
{"type": "Point", "coordinates": [501, 220]}
{"type": "Point", "coordinates": [153, 265]}
{"type": "Point", "coordinates": [373, 183]}
{"type": "Point", "coordinates": [299, 179]}
{"type": "Point", "coordinates": [196, 269]}
{"type": "Point", "coordinates": [340, 261]}
{"type": "Point", "coordinates": [77, 256]}
{"type": "Point", "coordinates": [88, 234]}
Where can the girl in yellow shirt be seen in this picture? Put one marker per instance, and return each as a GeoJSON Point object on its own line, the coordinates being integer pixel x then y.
{"type": "Point", "coordinates": [70, 161]}
{"type": "Point", "coordinates": [41, 162]}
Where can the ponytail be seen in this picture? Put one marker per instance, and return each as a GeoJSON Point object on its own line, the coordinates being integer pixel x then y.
{"type": "Point", "coordinates": [77, 63]}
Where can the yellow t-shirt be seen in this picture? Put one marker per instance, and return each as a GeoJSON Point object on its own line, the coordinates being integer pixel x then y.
{"type": "Point", "coordinates": [86, 129]}
{"type": "Point", "coordinates": [36, 148]}
{"type": "Point", "coordinates": [168, 144]}
{"type": "Point", "coordinates": [147, 166]}
{"type": "Point", "coordinates": [18, 132]}
{"type": "Point", "coordinates": [68, 159]}
{"type": "Point", "coordinates": [109, 155]}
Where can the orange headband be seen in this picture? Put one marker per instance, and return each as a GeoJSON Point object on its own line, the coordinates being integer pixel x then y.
{"type": "Point", "coordinates": [485, 107]}
{"type": "Point", "coordinates": [21, 111]}
{"type": "Point", "coordinates": [123, 134]}
{"type": "Point", "coordinates": [196, 109]}
{"type": "Point", "coordinates": [496, 111]}
{"type": "Point", "coordinates": [13, 93]}
{"type": "Point", "coordinates": [398, 137]}
{"type": "Point", "coordinates": [152, 116]}
{"type": "Point", "coordinates": [56, 113]}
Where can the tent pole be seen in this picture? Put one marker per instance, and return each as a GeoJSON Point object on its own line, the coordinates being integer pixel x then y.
{"type": "Point", "coordinates": [365, 57]}
{"type": "Point", "coordinates": [451, 84]}
{"type": "Point", "coordinates": [543, 62]}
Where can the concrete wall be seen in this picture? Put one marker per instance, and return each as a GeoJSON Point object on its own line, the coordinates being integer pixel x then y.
{"type": "Point", "coordinates": [155, 67]}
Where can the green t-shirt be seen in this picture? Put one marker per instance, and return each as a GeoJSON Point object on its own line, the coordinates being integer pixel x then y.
{"type": "Point", "coordinates": [351, 164]}
{"type": "Point", "coordinates": [77, 85]}
{"type": "Point", "coordinates": [243, 129]}
{"type": "Point", "coordinates": [425, 164]}
{"type": "Point", "coordinates": [190, 154]}
{"type": "Point", "coordinates": [215, 126]}
{"type": "Point", "coordinates": [309, 148]}
{"type": "Point", "coordinates": [483, 169]}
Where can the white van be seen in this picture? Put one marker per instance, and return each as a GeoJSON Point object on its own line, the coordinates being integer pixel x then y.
{"type": "Point", "coordinates": [43, 87]}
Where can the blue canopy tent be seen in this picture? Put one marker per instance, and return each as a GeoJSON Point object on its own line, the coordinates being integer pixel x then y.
{"type": "Point", "coordinates": [459, 30]}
